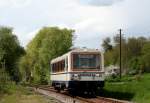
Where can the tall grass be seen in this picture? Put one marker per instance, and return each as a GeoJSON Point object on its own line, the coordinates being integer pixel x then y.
{"type": "Point", "coordinates": [6, 85]}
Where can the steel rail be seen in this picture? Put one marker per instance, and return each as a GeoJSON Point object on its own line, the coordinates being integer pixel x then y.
{"type": "Point", "coordinates": [65, 97]}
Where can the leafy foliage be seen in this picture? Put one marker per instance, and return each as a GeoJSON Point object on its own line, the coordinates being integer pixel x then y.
{"type": "Point", "coordinates": [107, 44]}
{"type": "Point", "coordinates": [50, 42]}
{"type": "Point", "coordinates": [145, 58]}
{"type": "Point", "coordinates": [135, 53]}
{"type": "Point", "coordinates": [10, 51]}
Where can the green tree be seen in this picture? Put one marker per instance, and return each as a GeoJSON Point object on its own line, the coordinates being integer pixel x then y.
{"type": "Point", "coordinates": [134, 53]}
{"type": "Point", "coordinates": [50, 42]}
{"type": "Point", "coordinates": [112, 51]}
{"type": "Point", "coordinates": [145, 58]}
{"type": "Point", "coordinates": [10, 51]}
{"type": "Point", "coordinates": [107, 44]}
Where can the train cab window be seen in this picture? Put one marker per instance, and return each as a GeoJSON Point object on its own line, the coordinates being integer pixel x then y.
{"type": "Point", "coordinates": [86, 61]}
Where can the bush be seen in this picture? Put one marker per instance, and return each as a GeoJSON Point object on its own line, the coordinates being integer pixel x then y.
{"type": "Point", "coordinates": [133, 72]}
{"type": "Point", "coordinates": [113, 79]}
{"type": "Point", "coordinates": [125, 78]}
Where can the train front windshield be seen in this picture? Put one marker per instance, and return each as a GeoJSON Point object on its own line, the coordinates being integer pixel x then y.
{"type": "Point", "coordinates": [86, 61]}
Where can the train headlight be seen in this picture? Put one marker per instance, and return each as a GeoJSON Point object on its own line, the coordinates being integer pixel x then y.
{"type": "Point", "coordinates": [72, 77]}
{"type": "Point", "coordinates": [75, 77]}
{"type": "Point", "coordinates": [97, 75]}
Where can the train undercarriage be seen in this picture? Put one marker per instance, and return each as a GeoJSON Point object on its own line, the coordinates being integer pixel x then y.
{"type": "Point", "coordinates": [79, 87]}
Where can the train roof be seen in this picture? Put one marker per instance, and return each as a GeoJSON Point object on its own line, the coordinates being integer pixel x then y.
{"type": "Point", "coordinates": [78, 50]}
{"type": "Point", "coordinates": [84, 50]}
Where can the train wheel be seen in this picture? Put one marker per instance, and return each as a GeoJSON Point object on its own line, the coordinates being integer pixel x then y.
{"type": "Point", "coordinates": [73, 92]}
{"type": "Point", "coordinates": [100, 91]}
{"type": "Point", "coordinates": [93, 93]}
{"type": "Point", "coordinates": [57, 88]}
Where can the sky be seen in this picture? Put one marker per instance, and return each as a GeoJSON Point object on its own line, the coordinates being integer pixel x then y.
{"type": "Point", "coordinates": [92, 20]}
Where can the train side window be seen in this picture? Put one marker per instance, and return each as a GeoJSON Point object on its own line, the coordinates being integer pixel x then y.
{"type": "Point", "coordinates": [56, 67]}
{"type": "Point", "coordinates": [52, 68]}
{"type": "Point", "coordinates": [66, 64]}
{"type": "Point", "coordinates": [59, 67]}
{"type": "Point", "coordinates": [63, 65]}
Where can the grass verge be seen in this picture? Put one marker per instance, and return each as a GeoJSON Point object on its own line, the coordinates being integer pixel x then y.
{"type": "Point", "coordinates": [136, 90]}
{"type": "Point", "coordinates": [21, 94]}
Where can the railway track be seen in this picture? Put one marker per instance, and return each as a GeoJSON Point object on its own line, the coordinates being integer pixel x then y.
{"type": "Point", "coordinates": [65, 97]}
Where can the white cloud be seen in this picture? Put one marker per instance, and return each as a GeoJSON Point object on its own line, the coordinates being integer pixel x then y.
{"type": "Point", "coordinates": [92, 23]}
{"type": "Point", "coordinates": [28, 37]}
{"type": "Point", "coordinates": [14, 3]}
{"type": "Point", "coordinates": [25, 38]}
{"type": "Point", "coordinates": [99, 2]}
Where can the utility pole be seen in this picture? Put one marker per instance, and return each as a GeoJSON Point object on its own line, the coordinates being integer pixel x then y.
{"type": "Point", "coordinates": [120, 33]}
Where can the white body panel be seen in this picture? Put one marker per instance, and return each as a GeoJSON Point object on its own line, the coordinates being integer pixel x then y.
{"type": "Point", "coordinates": [94, 76]}
{"type": "Point", "coordinates": [59, 77]}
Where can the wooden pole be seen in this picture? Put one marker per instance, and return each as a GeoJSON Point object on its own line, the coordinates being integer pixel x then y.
{"type": "Point", "coordinates": [120, 31]}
